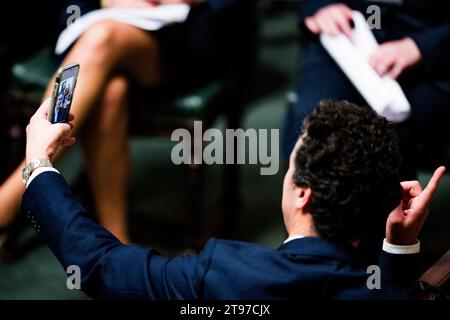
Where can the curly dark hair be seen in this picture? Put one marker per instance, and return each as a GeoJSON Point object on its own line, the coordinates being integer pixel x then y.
{"type": "Point", "coordinates": [350, 158]}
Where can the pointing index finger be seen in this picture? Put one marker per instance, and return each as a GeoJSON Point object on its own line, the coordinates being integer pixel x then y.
{"type": "Point", "coordinates": [432, 185]}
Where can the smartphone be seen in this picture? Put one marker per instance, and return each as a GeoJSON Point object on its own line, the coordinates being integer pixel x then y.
{"type": "Point", "coordinates": [63, 90]}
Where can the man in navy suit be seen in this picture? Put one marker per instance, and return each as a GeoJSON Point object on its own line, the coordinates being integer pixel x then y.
{"type": "Point", "coordinates": [415, 49]}
{"type": "Point", "coordinates": [342, 186]}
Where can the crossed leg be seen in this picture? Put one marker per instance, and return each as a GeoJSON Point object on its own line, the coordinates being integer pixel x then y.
{"type": "Point", "coordinates": [106, 50]}
{"type": "Point", "coordinates": [105, 148]}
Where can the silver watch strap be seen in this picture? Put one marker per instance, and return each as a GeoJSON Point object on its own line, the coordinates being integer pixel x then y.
{"type": "Point", "coordinates": [26, 172]}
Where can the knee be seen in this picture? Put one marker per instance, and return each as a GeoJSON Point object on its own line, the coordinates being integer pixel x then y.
{"type": "Point", "coordinates": [116, 90]}
{"type": "Point", "coordinates": [99, 40]}
{"type": "Point", "coordinates": [115, 96]}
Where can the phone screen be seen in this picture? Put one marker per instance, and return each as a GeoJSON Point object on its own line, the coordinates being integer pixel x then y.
{"type": "Point", "coordinates": [63, 94]}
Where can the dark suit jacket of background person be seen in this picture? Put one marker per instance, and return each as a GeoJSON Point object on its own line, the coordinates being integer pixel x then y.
{"type": "Point", "coordinates": [427, 22]}
{"type": "Point", "coordinates": [303, 268]}
{"type": "Point", "coordinates": [422, 136]}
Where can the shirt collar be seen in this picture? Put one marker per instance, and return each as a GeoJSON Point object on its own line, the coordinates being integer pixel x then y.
{"type": "Point", "coordinates": [294, 237]}
{"type": "Point", "coordinates": [316, 246]}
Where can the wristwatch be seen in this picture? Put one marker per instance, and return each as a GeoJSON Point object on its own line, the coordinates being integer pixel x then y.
{"type": "Point", "coordinates": [26, 172]}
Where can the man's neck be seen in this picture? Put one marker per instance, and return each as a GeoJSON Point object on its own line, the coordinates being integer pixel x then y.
{"type": "Point", "coordinates": [303, 227]}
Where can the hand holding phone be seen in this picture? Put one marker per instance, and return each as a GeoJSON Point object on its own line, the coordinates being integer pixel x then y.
{"type": "Point", "coordinates": [62, 95]}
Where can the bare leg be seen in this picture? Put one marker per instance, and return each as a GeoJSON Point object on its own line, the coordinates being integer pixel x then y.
{"type": "Point", "coordinates": [106, 49]}
{"type": "Point", "coordinates": [105, 145]}
{"type": "Point", "coordinates": [10, 193]}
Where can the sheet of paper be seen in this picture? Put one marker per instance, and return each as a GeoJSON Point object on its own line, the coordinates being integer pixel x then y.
{"type": "Point", "coordinates": [383, 94]}
{"type": "Point", "coordinates": [148, 19]}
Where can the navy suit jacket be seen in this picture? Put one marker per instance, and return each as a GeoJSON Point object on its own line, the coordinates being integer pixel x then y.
{"type": "Point", "coordinates": [302, 268]}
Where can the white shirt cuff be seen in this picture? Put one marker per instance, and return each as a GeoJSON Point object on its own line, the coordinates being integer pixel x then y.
{"type": "Point", "coordinates": [38, 171]}
{"type": "Point", "coordinates": [397, 249]}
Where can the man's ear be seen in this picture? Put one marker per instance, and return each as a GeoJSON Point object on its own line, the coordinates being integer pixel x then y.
{"type": "Point", "coordinates": [303, 197]}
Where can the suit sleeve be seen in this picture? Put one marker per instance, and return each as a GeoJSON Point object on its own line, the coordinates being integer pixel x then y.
{"type": "Point", "coordinates": [109, 269]}
{"type": "Point", "coordinates": [399, 269]}
{"type": "Point", "coordinates": [434, 45]}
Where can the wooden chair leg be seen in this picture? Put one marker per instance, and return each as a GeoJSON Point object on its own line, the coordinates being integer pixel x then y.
{"type": "Point", "coordinates": [439, 273]}
{"type": "Point", "coordinates": [431, 285]}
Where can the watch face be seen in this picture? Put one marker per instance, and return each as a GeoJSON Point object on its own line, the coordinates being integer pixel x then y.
{"type": "Point", "coordinates": [26, 172]}
{"type": "Point", "coordinates": [25, 175]}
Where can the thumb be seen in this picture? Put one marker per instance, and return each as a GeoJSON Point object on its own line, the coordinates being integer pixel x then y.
{"type": "Point", "coordinates": [44, 109]}
{"type": "Point", "coordinates": [61, 130]}
{"type": "Point", "coordinates": [397, 213]}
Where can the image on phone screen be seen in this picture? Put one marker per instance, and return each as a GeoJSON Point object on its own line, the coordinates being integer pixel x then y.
{"type": "Point", "coordinates": [62, 94]}
{"type": "Point", "coordinates": [63, 100]}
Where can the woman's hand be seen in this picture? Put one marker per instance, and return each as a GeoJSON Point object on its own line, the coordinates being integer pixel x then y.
{"type": "Point", "coordinates": [130, 4]}
{"type": "Point", "coordinates": [190, 2]}
{"type": "Point", "coordinates": [142, 4]}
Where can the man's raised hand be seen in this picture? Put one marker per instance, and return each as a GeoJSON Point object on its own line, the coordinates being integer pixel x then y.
{"type": "Point", "coordinates": [405, 222]}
